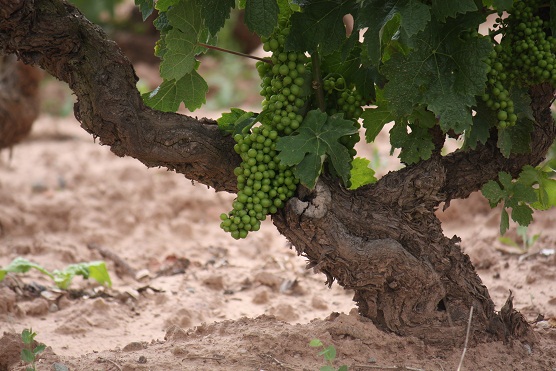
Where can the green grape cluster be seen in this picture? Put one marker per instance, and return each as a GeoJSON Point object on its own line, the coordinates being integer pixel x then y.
{"type": "Point", "coordinates": [497, 97]}
{"type": "Point", "coordinates": [264, 184]}
{"type": "Point", "coordinates": [524, 57]}
{"type": "Point", "coordinates": [283, 83]}
{"type": "Point", "coordinates": [527, 47]}
{"type": "Point", "coordinates": [344, 99]}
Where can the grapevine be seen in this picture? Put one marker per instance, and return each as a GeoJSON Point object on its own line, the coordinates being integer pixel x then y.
{"type": "Point", "coordinates": [263, 181]}
{"type": "Point", "coordinates": [421, 65]}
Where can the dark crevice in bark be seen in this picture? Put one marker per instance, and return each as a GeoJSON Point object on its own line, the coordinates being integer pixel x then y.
{"type": "Point", "coordinates": [383, 240]}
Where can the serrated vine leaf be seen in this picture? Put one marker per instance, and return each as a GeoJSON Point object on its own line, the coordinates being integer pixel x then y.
{"type": "Point", "coordinates": [164, 5]}
{"type": "Point", "coordinates": [515, 139]}
{"type": "Point", "coordinates": [181, 41]}
{"type": "Point", "coordinates": [317, 140]}
{"type": "Point", "coordinates": [374, 120]}
{"type": "Point", "coordinates": [190, 89]}
{"type": "Point", "coordinates": [517, 195]}
{"type": "Point", "coordinates": [522, 214]}
{"type": "Point", "coordinates": [443, 9]}
{"type": "Point", "coordinates": [415, 146]}
{"type": "Point", "coordinates": [493, 193]}
{"type": "Point", "coordinates": [320, 24]}
{"type": "Point", "coordinates": [361, 173]}
{"type": "Point", "coordinates": [502, 5]}
{"type": "Point", "coordinates": [146, 7]}
{"type": "Point", "coordinates": [441, 73]}
{"type": "Point", "coordinates": [545, 187]}
{"type": "Point", "coordinates": [261, 16]}
{"type": "Point", "coordinates": [215, 13]}
{"type": "Point", "coordinates": [376, 14]}
{"type": "Point", "coordinates": [482, 122]}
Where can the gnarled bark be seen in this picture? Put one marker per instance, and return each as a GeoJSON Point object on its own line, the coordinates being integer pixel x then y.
{"type": "Point", "coordinates": [383, 240]}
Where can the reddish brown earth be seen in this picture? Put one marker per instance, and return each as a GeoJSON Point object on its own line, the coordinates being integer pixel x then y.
{"type": "Point", "coordinates": [186, 296]}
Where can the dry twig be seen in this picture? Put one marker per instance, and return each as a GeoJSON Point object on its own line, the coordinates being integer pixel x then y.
{"type": "Point", "coordinates": [466, 339]}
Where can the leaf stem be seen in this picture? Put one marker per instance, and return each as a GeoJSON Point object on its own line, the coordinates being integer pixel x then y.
{"type": "Point", "coordinates": [266, 60]}
{"type": "Point", "coordinates": [317, 81]}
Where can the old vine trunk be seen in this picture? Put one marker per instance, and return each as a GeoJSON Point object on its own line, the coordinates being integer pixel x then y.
{"type": "Point", "coordinates": [384, 240]}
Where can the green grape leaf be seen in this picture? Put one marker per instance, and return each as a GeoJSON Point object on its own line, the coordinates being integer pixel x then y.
{"type": "Point", "coordinates": [164, 5]}
{"type": "Point", "coordinates": [443, 9]}
{"type": "Point", "coordinates": [261, 16]}
{"type": "Point", "coordinates": [191, 89]}
{"type": "Point", "coordinates": [346, 66]}
{"type": "Point", "coordinates": [390, 39]}
{"type": "Point", "coordinates": [502, 5]}
{"type": "Point", "coordinates": [365, 82]}
{"type": "Point", "coordinates": [545, 186]}
{"type": "Point", "coordinates": [317, 140]}
{"type": "Point", "coordinates": [441, 72]}
{"type": "Point", "coordinates": [215, 13]}
{"type": "Point", "coordinates": [376, 14]}
{"type": "Point", "coordinates": [515, 195]}
{"type": "Point", "coordinates": [361, 174]}
{"type": "Point", "coordinates": [374, 120]}
{"type": "Point", "coordinates": [522, 214]}
{"type": "Point", "coordinates": [146, 7]}
{"type": "Point", "coordinates": [231, 121]}
{"type": "Point", "coordinates": [493, 193]}
{"type": "Point", "coordinates": [522, 103]}
{"type": "Point", "coordinates": [181, 40]}
{"type": "Point", "coordinates": [319, 25]}
{"type": "Point", "coordinates": [482, 122]}
{"type": "Point", "coordinates": [415, 146]}
{"type": "Point", "coordinates": [179, 58]}
{"type": "Point", "coordinates": [422, 117]}
{"type": "Point", "coordinates": [162, 24]}
{"type": "Point", "coordinates": [515, 139]}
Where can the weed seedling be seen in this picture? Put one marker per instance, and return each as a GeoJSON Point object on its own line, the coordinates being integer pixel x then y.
{"type": "Point", "coordinates": [527, 240]}
{"type": "Point", "coordinates": [329, 354]}
{"type": "Point", "coordinates": [95, 270]}
{"type": "Point", "coordinates": [29, 354]}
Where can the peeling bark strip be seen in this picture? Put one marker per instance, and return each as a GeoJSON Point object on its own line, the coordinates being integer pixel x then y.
{"type": "Point", "coordinates": [382, 240]}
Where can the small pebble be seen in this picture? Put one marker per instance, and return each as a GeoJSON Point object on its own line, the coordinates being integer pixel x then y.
{"type": "Point", "coordinates": [59, 367]}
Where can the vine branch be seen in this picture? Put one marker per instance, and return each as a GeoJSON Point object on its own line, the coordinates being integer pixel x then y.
{"type": "Point", "coordinates": [266, 60]}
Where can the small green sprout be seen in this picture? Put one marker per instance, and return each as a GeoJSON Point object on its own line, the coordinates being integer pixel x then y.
{"type": "Point", "coordinates": [29, 354]}
{"type": "Point", "coordinates": [95, 270]}
{"type": "Point", "coordinates": [329, 354]}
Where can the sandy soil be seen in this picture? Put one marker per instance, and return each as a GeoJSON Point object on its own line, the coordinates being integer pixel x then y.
{"type": "Point", "coordinates": [186, 296]}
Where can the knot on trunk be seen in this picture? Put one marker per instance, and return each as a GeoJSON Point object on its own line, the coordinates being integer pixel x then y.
{"type": "Point", "coordinates": [317, 206]}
